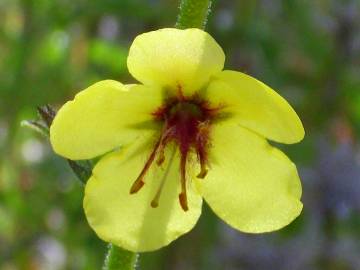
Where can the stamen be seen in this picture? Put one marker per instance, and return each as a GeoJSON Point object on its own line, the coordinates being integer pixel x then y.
{"type": "Point", "coordinates": [202, 137]}
{"type": "Point", "coordinates": [182, 195]}
{"type": "Point", "coordinates": [137, 185]}
{"type": "Point", "coordinates": [183, 201]}
{"type": "Point", "coordinates": [203, 171]}
{"type": "Point", "coordinates": [202, 158]}
{"type": "Point", "coordinates": [161, 157]}
{"type": "Point", "coordinates": [165, 138]}
{"type": "Point", "coordinates": [155, 202]}
{"type": "Point", "coordinates": [161, 150]}
{"type": "Point", "coordinates": [186, 122]}
{"type": "Point", "coordinates": [139, 182]}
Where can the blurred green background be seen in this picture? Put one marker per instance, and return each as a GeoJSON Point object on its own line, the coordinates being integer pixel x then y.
{"type": "Point", "coordinates": [308, 50]}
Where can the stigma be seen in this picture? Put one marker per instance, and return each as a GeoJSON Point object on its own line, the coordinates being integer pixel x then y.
{"type": "Point", "coordinates": [186, 121]}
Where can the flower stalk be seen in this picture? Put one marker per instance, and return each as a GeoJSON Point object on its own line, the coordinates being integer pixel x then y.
{"type": "Point", "coordinates": [120, 259]}
{"type": "Point", "coordinates": [193, 14]}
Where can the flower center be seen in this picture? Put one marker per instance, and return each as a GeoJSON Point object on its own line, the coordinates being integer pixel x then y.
{"type": "Point", "coordinates": [187, 122]}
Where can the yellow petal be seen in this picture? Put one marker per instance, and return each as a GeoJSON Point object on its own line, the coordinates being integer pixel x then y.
{"type": "Point", "coordinates": [128, 220]}
{"type": "Point", "coordinates": [102, 117]}
{"type": "Point", "coordinates": [173, 57]}
{"type": "Point", "coordinates": [251, 185]}
{"type": "Point", "coordinates": [256, 106]}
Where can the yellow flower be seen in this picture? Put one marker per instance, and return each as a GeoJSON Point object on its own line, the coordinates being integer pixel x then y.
{"type": "Point", "coordinates": [189, 131]}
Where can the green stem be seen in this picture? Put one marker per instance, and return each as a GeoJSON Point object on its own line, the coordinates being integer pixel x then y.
{"type": "Point", "coordinates": [119, 259]}
{"type": "Point", "coordinates": [193, 14]}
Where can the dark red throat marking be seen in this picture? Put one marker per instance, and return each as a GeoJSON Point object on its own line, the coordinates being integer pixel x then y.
{"type": "Point", "coordinates": [187, 122]}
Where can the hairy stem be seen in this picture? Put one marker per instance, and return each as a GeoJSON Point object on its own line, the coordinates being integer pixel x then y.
{"type": "Point", "coordinates": [193, 14]}
{"type": "Point", "coordinates": [119, 259]}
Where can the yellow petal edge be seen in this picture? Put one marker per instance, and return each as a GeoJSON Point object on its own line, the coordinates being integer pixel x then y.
{"type": "Point", "coordinates": [101, 118]}
{"type": "Point", "coordinates": [128, 220]}
{"type": "Point", "coordinates": [174, 58]}
{"type": "Point", "coordinates": [251, 185]}
{"type": "Point", "coordinates": [256, 106]}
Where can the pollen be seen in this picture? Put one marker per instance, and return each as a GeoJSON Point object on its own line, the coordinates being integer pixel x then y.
{"type": "Point", "coordinates": [187, 122]}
